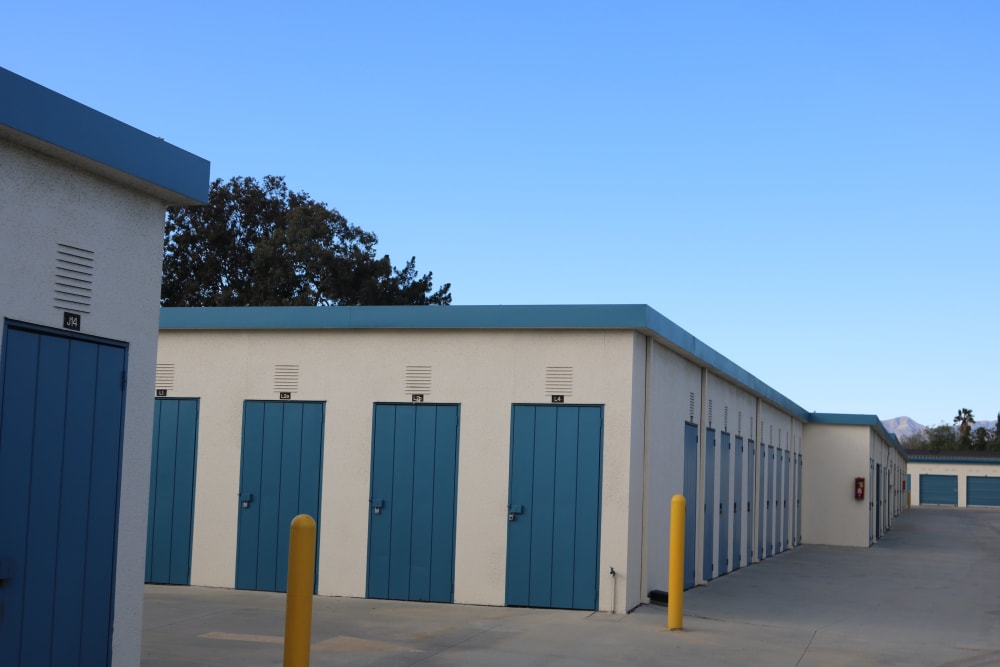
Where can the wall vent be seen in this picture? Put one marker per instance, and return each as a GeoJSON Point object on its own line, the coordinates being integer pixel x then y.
{"type": "Point", "coordinates": [691, 407]}
{"type": "Point", "coordinates": [417, 380]}
{"type": "Point", "coordinates": [739, 423]}
{"type": "Point", "coordinates": [74, 283]}
{"type": "Point", "coordinates": [558, 380]}
{"type": "Point", "coordinates": [164, 376]}
{"type": "Point", "coordinates": [286, 377]}
{"type": "Point", "coordinates": [725, 419]}
{"type": "Point", "coordinates": [710, 413]}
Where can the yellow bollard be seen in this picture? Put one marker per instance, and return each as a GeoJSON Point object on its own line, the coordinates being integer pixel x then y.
{"type": "Point", "coordinates": [675, 578]}
{"type": "Point", "coordinates": [298, 603]}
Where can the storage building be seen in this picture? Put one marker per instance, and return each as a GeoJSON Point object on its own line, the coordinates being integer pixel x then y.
{"type": "Point", "coordinates": [499, 455]}
{"type": "Point", "coordinates": [82, 199]}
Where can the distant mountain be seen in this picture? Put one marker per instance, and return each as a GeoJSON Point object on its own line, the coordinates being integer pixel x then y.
{"type": "Point", "coordinates": [903, 427]}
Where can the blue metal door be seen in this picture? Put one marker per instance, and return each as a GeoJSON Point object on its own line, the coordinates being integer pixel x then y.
{"type": "Point", "coordinates": [778, 524]}
{"type": "Point", "coordinates": [554, 507]}
{"type": "Point", "coordinates": [771, 463]}
{"type": "Point", "coordinates": [785, 507]}
{"type": "Point", "coordinates": [798, 503]}
{"type": "Point", "coordinates": [62, 406]}
{"type": "Point", "coordinates": [280, 478]}
{"type": "Point", "coordinates": [171, 491]}
{"type": "Point", "coordinates": [414, 483]}
{"type": "Point", "coordinates": [762, 503]}
{"type": "Point", "coordinates": [939, 489]}
{"type": "Point", "coordinates": [725, 454]}
{"type": "Point", "coordinates": [878, 499]}
{"type": "Point", "coordinates": [751, 483]}
{"type": "Point", "coordinates": [983, 491]}
{"type": "Point", "coordinates": [691, 502]}
{"type": "Point", "coordinates": [738, 505]}
{"type": "Point", "coordinates": [708, 548]}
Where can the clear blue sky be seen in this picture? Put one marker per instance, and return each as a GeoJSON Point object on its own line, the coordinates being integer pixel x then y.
{"type": "Point", "coordinates": [813, 189]}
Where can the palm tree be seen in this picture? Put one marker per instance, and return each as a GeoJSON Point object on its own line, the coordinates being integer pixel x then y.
{"type": "Point", "coordinates": [965, 420]}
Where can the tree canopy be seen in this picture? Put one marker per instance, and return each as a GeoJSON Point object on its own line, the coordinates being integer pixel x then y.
{"type": "Point", "coordinates": [960, 435]}
{"type": "Point", "coordinates": [257, 243]}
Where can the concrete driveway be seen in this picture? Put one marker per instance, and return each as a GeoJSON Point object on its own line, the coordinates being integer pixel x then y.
{"type": "Point", "coordinates": [927, 594]}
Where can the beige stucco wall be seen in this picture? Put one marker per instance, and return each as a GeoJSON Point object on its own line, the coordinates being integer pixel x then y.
{"type": "Point", "coordinates": [833, 456]}
{"type": "Point", "coordinates": [672, 381]}
{"type": "Point", "coordinates": [45, 202]}
{"type": "Point", "coordinates": [483, 371]}
{"type": "Point", "coordinates": [962, 470]}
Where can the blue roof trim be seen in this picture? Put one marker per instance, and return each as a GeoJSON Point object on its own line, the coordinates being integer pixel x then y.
{"type": "Point", "coordinates": [636, 317]}
{"type": "Point", "coordinates": [930, 459]}
{"type": "Point", "coordinates": [859, 420]}
{"type": "Point", "coordinates": [47, 116]}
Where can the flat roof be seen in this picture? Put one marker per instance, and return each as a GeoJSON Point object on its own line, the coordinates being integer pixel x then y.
{"type": "Point", "coordinates": [51, 123]}
{"type": "Point", "coordinates": [858, 420]}
{"type": "Point", "coordinates": [635, 317]}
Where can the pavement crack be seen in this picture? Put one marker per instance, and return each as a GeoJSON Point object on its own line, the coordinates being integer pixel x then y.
{"type": "Point", "coordinates": [806, 649]}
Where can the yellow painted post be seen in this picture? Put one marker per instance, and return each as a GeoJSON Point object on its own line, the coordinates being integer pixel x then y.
{"type": "Point", "coordinates": [675, 578]}
{"type": "Point", "coordinates": [298, 603]}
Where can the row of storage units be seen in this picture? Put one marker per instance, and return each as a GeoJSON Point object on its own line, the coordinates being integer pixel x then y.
{"type": "Point", "coordinates": [959, 479]}
{"type": "Point", "coordinates": [521, 456]}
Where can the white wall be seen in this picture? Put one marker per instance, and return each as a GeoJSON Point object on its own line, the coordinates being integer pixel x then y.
{"type": "Point", "coordinates": [44, 202]}
{"type": "Point", "coordinates": [484, 371]}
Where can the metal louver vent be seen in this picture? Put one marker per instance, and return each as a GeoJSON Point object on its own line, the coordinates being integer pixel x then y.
{"type": "Point", "coordinates": [74, 281]}
{"type": "Point", "coordinates": [739, 423]}
{"type": "Point", "coordinates": [558, 380]}
{"type": "Point", "coordinates": [417, 380]}
{"type": "Point", "coordinates": [710, 413]}
{"type": "Point", "coordinates": [286, 377]}
{"type": "Point", "coordinates": [164, 376]}
{"type": "Point", "coordinates": [725, 418]}
{"type": "Point", "coordinates": [691, 408]}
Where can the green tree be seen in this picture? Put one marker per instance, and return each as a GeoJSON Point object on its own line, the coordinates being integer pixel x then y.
{"type": "Point", "coordinates": [942, 437]}
{"type": "Point", "coordinates": [964, 420]}
{"type": "Point", "coordinates": [257, 243]}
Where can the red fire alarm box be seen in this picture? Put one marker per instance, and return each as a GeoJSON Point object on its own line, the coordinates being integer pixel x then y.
{"type": "Point", "coordinates": [859, 488]}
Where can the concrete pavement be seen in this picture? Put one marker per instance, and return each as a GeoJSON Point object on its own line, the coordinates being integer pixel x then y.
{"type": "Point", "coordinates": [927, 594]}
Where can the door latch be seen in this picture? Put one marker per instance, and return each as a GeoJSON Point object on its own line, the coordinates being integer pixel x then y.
{"type": "Point", "coordinates": [246, 500]}
{"type": "Point", "coordinates": [513, 511]}
{"type": "Point", "coordinates": [377, 506]}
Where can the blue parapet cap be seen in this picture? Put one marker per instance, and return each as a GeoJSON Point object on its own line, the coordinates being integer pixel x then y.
{"type": "Point", "coordinates": [640, 318]}
{"type": "Point", "coordinates": [859, 420]}
{"type": "Point", "coordinates": [55, 124]}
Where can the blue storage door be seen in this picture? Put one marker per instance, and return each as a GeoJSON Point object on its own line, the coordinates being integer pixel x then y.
{"type": "Point", "coordinates": [725, 454]}
{"type": "Point", "coordinates": [171, 491]}
{"type": "Point", "coordinates": [751, 483]}
{"type": "Point", "coordinates": [878, 499]}
{"type": "Point", "coordinates": [62, 403]}
{"type": "Point", "coordinates": [779, 460]}
{"type": "Point", "coordinates": [939, 489]}
{"type": "Point", "coordinates": [785, 513]}
{"type": "Point", "coordinates": [280, 478]}
{"type": "Point", "coordinates": [708, 546]}
{"type": "Point", "coordinates": [553, 528]}
{"type": "Point", "coordinates": [414, 482]}
{"type": "Point", "coordinates": [769, 529]}
{"type": "Point", "coordinates": [762, 502]}
{"type": "Point", "coordinates": [798, 503]}
{"type": "Point", "coordinates": [690, 504]}
{"type": "Point", "coordinates": [983, 491]}
{"type": "Point", "coordinates": [738, 505]}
